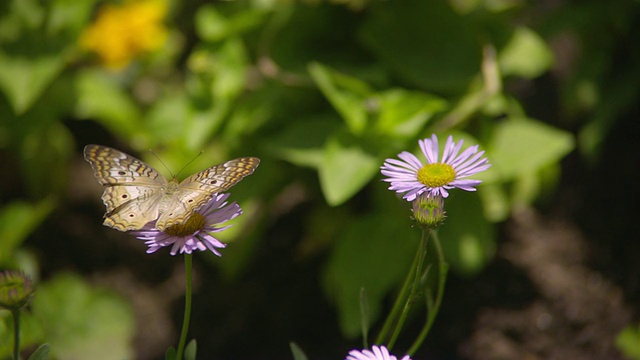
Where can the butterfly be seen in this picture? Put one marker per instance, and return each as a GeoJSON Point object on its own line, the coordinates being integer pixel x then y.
{"type": "Point", "coordinates": [137, 194]}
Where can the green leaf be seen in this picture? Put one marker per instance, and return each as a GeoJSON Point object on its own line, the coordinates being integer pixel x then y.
{"type": "Point", "coordinates": [190, 350]}
{"type": "Point", "coordinates": [345, 169]}
{"type": "Point", "coordinates": [526, 54]}
{"type": "Point", "coordinates": [102, 98]}
{"type": "Point", "coordinates": [302, 142]}
{"type": "Point", "coordinates": [467, 238]}
{"type": "Point", "coordinates": [211, 25]}
{"type": "Point", "coordinates": [404, 113]}
{"type": "Point", "coordinates": [423, 55]}
{"type": "Point", "coordinates": [171, 354]}
{"type": "Point", "coordinates": [167, 120]}
{"type": "Point", "coordinates": [26, 72]}
{"type": "Point", "coordinates": [348, 95]}
{"type": "Point", "coordinates": [521, 146]}
{"type": "Point", "coordinates": [82, 322]}
{"type": "Point", "coordinates": [297, 352]}
{"type": "Point", "coordinates": [41, 353]}
{"type": "Point", "coordinates": [374, 253]}
{"type": "Point", "coordinates": [18, 220]}
{"type": "Point", "coordinates": [42, 35]}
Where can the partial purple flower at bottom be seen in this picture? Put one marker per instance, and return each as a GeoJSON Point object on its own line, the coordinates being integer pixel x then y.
{"type": "Point", "coordinates": [376, 353]}
{"type": "Point", "coordinates": [195, 233]}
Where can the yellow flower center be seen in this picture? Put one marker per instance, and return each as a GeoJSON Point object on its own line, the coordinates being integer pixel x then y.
{"type": "Point", "coordinates": [194, 223]}
{"type": "Point", "coordinates": [436, 175]}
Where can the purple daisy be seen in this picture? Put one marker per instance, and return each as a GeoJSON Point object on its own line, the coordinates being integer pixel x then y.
{"type": "Point", "coordinates": [409, 175]}
{"type": "Point", "coordinates": [376, 353]}
{"type": "Point", "coordinates": [195, 233]}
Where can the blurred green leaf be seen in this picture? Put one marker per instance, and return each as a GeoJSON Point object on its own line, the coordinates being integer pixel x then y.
{"type": "Point", "coordinates": [167, 120]}
{"type": "Point", "coordinates": [41, 353]}
{"type": "Point", "coordinates": [18, 220]}
{"type": "Point", "coordinates": [374, 253]}
{"type": "Point", "coordinates": [520, 146]}
{"type": "Point", "coordinates": [171, 354]}
{"type": "Point", "coordinates": [191, 350]}
{"type": "Point", "coordinates": [628, 341]}
{"type": "Point", "coordinates": [348, 95]}
{"type": "Point", "coordinates": [346, 167]}
{"type": "Point", "coordinates": [425, 42]}
{"type": "Point", "coordinates": [297, 352]}
{"type": "Point", "coordinates": [82, 322]}
{"type": "Point", "coordinates": [526, 54]}
{"type": "Point", "coordinates": [45, 156]}
{"type": "Point", "coordinates": [101, 97]}
{"type": "Point", "coordinates": [36, 52]}
{"type": "Point", "coordinates": [211, 25]}
{"type": "Point", "coordinates": [404, 113]}
{"type": "Point", "coordinates": [24, 76]}
{"type": "Point", "coordinates": [302, 142]}
{"type": "Point", "coordinates": [467, 238]}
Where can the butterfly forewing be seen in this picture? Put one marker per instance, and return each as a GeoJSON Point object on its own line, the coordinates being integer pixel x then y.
{"type": "Point", "coordinates": [113, 167]}
{"type": "Point", "coordinates": [137, 194]}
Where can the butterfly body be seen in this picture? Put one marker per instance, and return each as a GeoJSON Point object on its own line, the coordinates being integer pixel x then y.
{"type": "Point", "coordinates": [137, 194]}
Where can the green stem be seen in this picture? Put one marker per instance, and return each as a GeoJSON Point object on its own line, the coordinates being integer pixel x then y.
{"type": "Point", "coordinates": [187, 306]}
{"type": "Point", "coordinates": [16, 334]}
{"type": "Point", "coordinates": [433, 308]}
{"type": "Point", "coordinates": [404, 297]}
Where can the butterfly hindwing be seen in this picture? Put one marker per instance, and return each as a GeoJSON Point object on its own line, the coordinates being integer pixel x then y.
{"type": "Point", "coordinates": [130, 207]}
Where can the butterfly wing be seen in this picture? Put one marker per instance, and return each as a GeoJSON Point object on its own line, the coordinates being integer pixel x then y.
{"type": "Point", "coordinates": [198, 189]}
{"type": "Point", "coordinates": [134, 189]}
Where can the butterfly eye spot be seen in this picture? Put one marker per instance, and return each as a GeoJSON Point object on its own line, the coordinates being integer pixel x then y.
{"type": "Point", "coordinates": [121, 172]}
{"type": "Point", "coordinates": [124, 196]}
{"type": "Point", "coordinates": [213, 182]}
{"type": "Point", "coordinates": [132, 215]}
{"type": "Point", "coordinates": [190, 201]}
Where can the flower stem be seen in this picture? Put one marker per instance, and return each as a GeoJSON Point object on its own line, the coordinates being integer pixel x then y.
{"type": "Point", "coordinates": [402, 304]}
{"type": "Point", "coordinates": [16, 333]}
{"type": "Point", "coordinates": [432, 307]}
{"type": "Point", "coordinates": [187, 306]}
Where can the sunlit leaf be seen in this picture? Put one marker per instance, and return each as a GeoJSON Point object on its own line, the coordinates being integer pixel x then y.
{"type": "Point", "coordinates": [520, 146]}
{"type": "Point", "coordinates": [346, 167]}
{"type": "Point", "coordinates": [347, 94]}
{"type": "Point", "coordinates": [525, 55]}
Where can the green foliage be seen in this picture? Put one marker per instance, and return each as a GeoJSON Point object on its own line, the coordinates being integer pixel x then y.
{"type": "Point", "coordinates": [323, 95]}
{"type": "Point", "coordinates": [17, 220]}
{"type": "Point", "coordinates": [79, 321]}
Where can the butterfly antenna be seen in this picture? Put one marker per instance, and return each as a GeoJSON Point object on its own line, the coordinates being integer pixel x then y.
{"type": "Point", "coordinates": [163, 164]}
{"type": "Point", "coordinates": [189, 163]}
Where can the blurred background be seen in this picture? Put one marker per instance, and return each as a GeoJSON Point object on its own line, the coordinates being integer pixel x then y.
{"type": "Point", "coordinates": [543, 256]}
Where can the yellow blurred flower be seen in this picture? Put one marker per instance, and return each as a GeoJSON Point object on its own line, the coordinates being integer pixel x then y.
{"type": "Point", "coordinates": [123, 32]}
